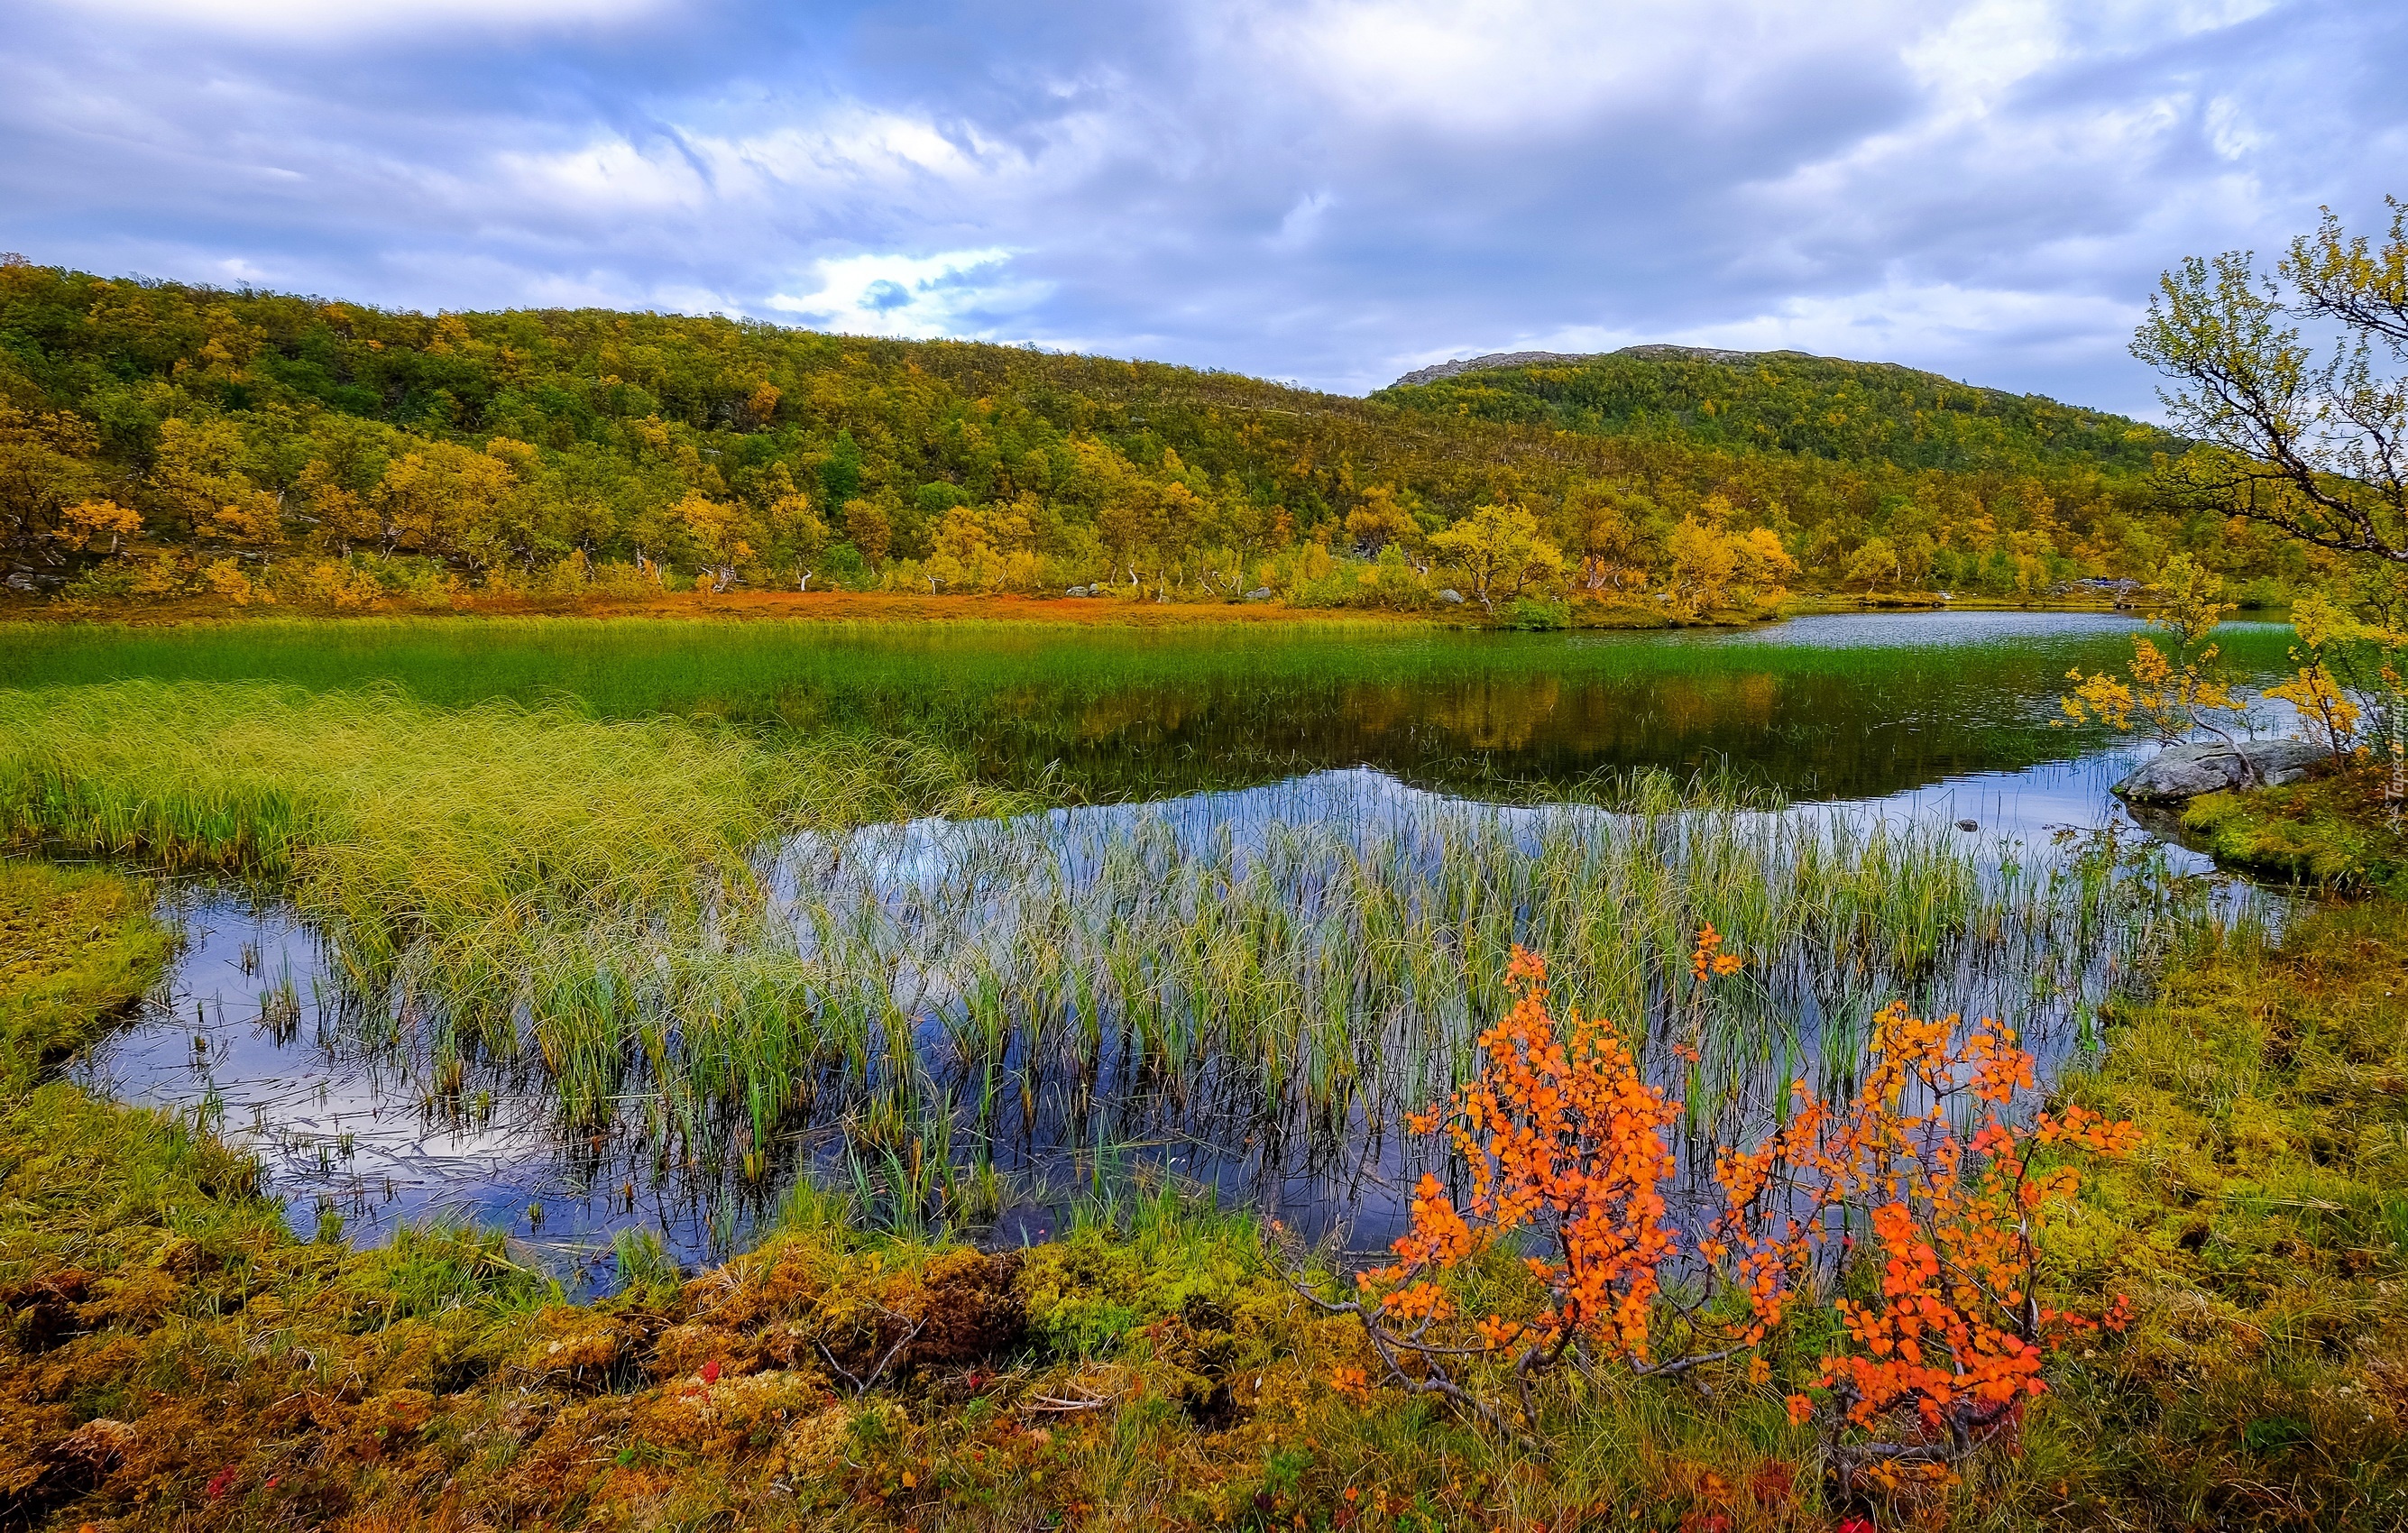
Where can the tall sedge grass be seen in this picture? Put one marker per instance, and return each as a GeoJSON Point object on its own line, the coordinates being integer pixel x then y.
{"type": "Point", "coordinates": [458, 836]}
{"type": "Point", "coordinates": [710, 939]}
{"type": "Point", "coordinates": [1313, 970]}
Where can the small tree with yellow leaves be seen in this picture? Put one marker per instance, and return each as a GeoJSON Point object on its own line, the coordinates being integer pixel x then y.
{"type": "Point", "coordinates": [89, 523]}
{"type": "Point", "coordinates": [2168, 697]}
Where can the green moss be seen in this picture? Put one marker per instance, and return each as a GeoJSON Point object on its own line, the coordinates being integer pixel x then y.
{"type": "Point", "coordinates": [75, 950]}
{"type": "Point", "coordinates": [1086, 1292]}
{"type": "Point", "coordinates": [2335, 830]}
{"type": "Point", "coordinates": [2262, 1234]}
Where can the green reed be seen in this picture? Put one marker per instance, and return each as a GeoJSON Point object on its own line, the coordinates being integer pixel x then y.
{"type": "Point", "coordinates": [518, 852]}
{"type": "Point", "coordinates": [709, 936]}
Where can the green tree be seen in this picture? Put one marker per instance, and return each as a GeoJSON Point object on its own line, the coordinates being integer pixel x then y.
{"type": "Point", "coordinates": [840, 475]}
{"type": "Point", "coordinates": [2305, 439]}
{"type": "Point", "coordinates": [801, 536]}
{"type": "Point", "coordinates": [1875, 565]}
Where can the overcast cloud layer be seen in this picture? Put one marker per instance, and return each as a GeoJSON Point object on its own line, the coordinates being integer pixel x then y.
{"type": "Point", "coordinates": [1332, 192]}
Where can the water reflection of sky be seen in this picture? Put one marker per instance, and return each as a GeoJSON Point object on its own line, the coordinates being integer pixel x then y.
{"type": "Point", "coordinates": [1929, 630]}
{"type": "Point", "coordinates": [1921, 630]}
{"type": "Point", "coordinates": [340, 1127]}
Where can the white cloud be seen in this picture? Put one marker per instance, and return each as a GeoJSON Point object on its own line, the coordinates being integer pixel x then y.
{"type": "Point", "coordinates": [2228, 129]}
{"type": "Point", "coordinates": [1969, 59]}
{"type": "Point", "coordinates": [1895, 321]}
{"type": "Point", "coordinates": [960, 294]}
{"type": "Point", "coordinates": [844, 152]}
{"type": "Point", "coordinates": [610, 173]}
{"type": "Point", "coordinates": [1931, 323]}
{"type": "Point", "coordinates": [1302, 222]}
{"type": "Point", "coordinates": [1516, 65]}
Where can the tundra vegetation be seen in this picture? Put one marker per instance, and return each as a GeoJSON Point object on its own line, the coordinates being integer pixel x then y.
{"type": "Point", "coordinates": [1715, 1223]}
{"type": "Point", "coordinates": [173, 448]}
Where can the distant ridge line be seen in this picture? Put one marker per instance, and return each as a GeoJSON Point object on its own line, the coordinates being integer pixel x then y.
{"type": "Point", "coordinates": [1545, 359]}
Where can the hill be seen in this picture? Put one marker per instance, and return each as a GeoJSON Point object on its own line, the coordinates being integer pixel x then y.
{"type": "Point", "coordinates": [159, 439]}
{"type": "Point", "coordinates": [1786, 402]}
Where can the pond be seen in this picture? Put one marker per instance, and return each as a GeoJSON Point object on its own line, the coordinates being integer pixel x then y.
{"type": "Point", "coordinates": [1266, 920]}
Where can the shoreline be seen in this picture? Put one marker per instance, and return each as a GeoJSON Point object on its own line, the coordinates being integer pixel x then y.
{"type": "Point", "coordinates": [907, 609]}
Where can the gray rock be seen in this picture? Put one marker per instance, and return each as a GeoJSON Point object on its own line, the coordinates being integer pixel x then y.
{"type": "Point", "coordinates": [1557, 359]}
{"type": "Point", "coordinates": [1260, 593]}
{"type": "Point", "coordinates": [2185, 771]}
{"type": "Point", "coordinates": [1076, 590]}
{"type": "Point", "coordinates": [1494, 360]}
{"type": "Point", "coordinates": [1451, 596]}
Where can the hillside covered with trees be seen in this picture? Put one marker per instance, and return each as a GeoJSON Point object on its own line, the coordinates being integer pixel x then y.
{"type": "Point", "coordinates": [1792, 402]}
{"type": "Point", "coordinates": [160, 440]}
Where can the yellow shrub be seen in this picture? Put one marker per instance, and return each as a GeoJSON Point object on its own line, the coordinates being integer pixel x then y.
{"type": "Point", "coordinates": [226, 581]}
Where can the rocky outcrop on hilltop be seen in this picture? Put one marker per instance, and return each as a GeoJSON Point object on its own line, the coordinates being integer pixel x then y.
{"type": "Point", "coordinates": [1494, 360]}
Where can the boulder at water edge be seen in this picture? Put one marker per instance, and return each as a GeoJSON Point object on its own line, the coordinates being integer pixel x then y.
{"type": "Point", "coordinates": [2185, 771]}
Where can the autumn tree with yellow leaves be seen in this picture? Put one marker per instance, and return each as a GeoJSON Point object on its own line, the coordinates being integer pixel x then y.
{"type": "Point", "coordinates": [1501, 552]}
{"type": "Point", "coordinates": [2168, 696]}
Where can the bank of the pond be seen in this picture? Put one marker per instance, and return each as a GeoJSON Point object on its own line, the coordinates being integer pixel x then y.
{"type": "Point", "coordinates": [2264, 1230]}
{"type": "Point", "coordinates": [2343, 828]}
{"type": "Point", "coordinates": [1116, 610]}
{"type": "Point", "coordinates": [175, 1357]}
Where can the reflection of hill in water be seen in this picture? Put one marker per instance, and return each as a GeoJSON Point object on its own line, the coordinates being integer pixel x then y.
{"type": "Point", "coordinates": [1813, 722]}
{"type": "Point", "coordinates": [1844, 706]}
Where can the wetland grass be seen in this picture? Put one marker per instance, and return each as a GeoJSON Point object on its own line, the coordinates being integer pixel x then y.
{"type": "Point", "coordinates": [731, 945]}
{"type": "Point", "coordinates": [1151, 1367]}
{"type": "Point", "coordinates": [1102, 715]}
{"type": "Point", "coordinates": [77, 950]}
{"type": "Point", "coordinates": [431, 820]}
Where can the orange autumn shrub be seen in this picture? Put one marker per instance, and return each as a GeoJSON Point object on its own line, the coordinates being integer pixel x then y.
{"type": "Point", "coordinates": [1951, 1337]}
{"type": "Point", "coordinates": [1564, 1139]}
{"type": "Point", "coordinates": [1564, 1143]}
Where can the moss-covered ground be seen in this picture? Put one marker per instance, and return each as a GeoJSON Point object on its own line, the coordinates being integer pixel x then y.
{"type": "Point", "coordinates": [2263, 1233]}
{"type": "Point", "coordinates": [174, 1357]}
{"type": "Point", "coordinates": [2343, 828]}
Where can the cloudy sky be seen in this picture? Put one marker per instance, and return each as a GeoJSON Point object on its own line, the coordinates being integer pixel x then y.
{"type": "Point", "coordinates": [1326, 191]}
